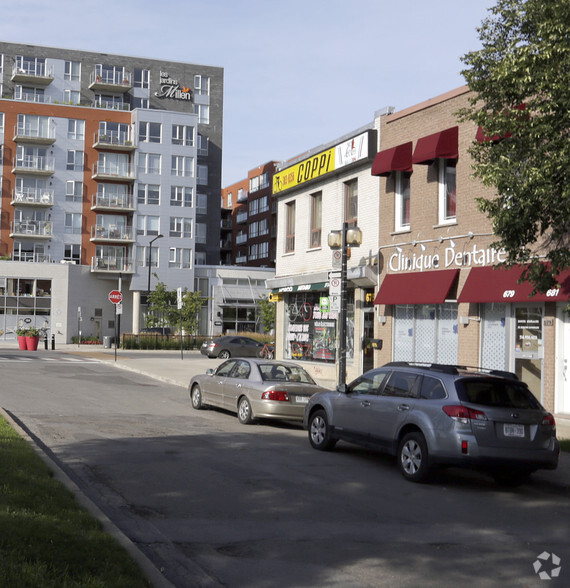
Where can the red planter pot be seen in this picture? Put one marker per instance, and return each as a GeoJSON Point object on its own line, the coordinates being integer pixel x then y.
{"type": "Point", "coordinates": [32, 343]}
{"type": "Point", "coordinates": [22, 342]}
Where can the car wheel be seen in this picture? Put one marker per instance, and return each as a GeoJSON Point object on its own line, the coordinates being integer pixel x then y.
{"type": "Point", "coordinates": [413, 457]}
{"type": "Point", "coordinates": [245, 414]}
{"type": "Point", "coordinates": [320, 432]}
{"type": "Point", "coordinates": [224, 354]}
{"type": "Point", "coordinates": [269, 354]}
{"type": "Point", "coordinates": [196, 397]}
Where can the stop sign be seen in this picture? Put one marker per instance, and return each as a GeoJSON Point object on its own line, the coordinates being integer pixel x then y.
{"type": "Point", "coordinates": [115, 296]}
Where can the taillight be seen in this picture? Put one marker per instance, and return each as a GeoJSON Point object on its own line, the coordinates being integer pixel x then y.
{"type": "Point", "coordinates": [280, 395]}
{"type": "Point", "coordinates": [548, 419]}
{"type": "Point", "coordinates": [464, 414]}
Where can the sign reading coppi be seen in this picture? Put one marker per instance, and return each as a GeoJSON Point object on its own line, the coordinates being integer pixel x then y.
{"type": "Point", "coordinates": [171, 88]}
{"type": "Point", "coordinates": [400, 262]}
{"type": "Point", "coordinates": [322, 163]}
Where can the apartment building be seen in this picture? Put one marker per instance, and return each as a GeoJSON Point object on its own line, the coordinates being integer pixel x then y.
{"type": "Point", "coordinates": [109, 162]}
{"type": "Point", "coordinates": [249, 219]}
{"type": "Point", "coordinates": [439, 298]}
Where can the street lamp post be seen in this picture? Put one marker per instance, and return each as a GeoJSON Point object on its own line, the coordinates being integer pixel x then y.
{"type": "Point", "coordinates": [347, 237]}
{"type": "Point", "coordinates": [149, 263]}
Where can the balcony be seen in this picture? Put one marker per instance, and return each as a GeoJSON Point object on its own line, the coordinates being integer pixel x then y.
{"type": "Point", "coordinates": [112, 264]}
{"type": "Point", "coordinates": [102, 171]}
{"type": "Point", "coordinates": [241, 238]}
{"type": "Point", "coordinates": [111, 81]}
{"type": "Point", "coordinates": [241, 217]}
{"type": "Point", "coordinates": [108, 105]}
{"type": "Point", "coordinates": [113, 140]}
{"type": "Point", "coordinates": [119, 202]}
{"type": "Point", "coordinates": [226, 245]}
{"type": "Point", "coordinates": [36, 136]}
{"type": "Point", "coordinates": [112, 233]}
{"type": "Point", "coordinates": [33, 75]}
{"type": "Point", "coordinates": [36, 165]}
{"type": "Point", "coordinates": [32, 229]}
{"type": "Point", "coordinates": [226, 224]}
{"type": "Point", "coordinates": [31, 257]}
{"type": "Point", "coordinates": [32, 197]}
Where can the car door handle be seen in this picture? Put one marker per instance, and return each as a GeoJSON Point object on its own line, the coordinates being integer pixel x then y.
{"type": "Point", "coordinates": [365, 403]}
{"type": "Point", "coordinates": [402, 407]}
{"type": "Point", "coordinates": [238, 385]}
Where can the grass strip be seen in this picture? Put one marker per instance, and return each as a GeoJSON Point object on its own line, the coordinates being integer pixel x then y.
{"type": "Point", "coordinates": [46, 538]}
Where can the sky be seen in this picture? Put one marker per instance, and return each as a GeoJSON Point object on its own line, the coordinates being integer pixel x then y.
{"type": "Point", "coordinates": [297, 74]}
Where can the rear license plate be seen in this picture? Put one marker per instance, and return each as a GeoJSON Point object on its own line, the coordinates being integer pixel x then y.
{"type": "Point", "coordinates": [301, 399]}
{"type": "Point", "coordinates": [513, 430]}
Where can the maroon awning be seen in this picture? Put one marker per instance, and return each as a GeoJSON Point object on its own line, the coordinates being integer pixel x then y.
{"type": "Point", "coordinates": [416, 288]}
{"type": "Point", "coordinates": [444, 144]}
{"type": "Point", "coordinates": [394, 159]}
{"type": "Point", "coordinates": [487, 284]}
{"type": "Point", "coordinates": [481, 137]}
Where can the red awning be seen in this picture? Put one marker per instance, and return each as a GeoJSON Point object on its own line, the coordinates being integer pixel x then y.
{"type": "Point", "coordinates": [444, 144]}
{"type": "Point", "coordinates": [416, 288]}
{"type": "Point", "coordinates": [395, 159]}
{"type": "Point", "coordinates": [481, 137]}
{"type": "Point", "coordinates": [487, 284]}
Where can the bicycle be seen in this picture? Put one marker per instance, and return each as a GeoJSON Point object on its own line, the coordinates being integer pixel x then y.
{"type": "Point", "coordinates": [268, 351]}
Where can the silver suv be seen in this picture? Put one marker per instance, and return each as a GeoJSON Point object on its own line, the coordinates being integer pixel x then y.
{"type": "Point", "coordinates": [430, 415]}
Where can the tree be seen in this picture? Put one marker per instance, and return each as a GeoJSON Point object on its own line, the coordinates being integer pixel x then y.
{"type": "Point", "coordinates": [521, 101]}
{"type": "Point", "coordinates": [160, 302]}
{"type": "Point", "coordinates": [267, 312]}
{"type": "Point", "coordinates": [191, 304]}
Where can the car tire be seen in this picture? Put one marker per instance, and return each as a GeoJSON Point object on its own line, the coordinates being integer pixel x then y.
{"type": "Point", "coordinates": [320, 432]}
{"type": "Point", "coordinates": [224, 354]}
{"type": "Point", "coordinates": [244, 412]}
{"type": "Point", "coordinates": [196, 397]}
{"type": "Point", "coordinates": [413, 458]}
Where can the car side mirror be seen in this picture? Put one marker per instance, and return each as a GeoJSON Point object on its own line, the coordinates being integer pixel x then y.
{"type": "Point", "coordinates": [343, 389]}
{"type": "Point", "coordinates": [209, 372]}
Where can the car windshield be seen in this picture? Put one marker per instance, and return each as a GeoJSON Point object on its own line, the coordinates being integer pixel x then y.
{"type": "Point", "coordinates": [284, 373]}
{"type": "Point", "coordinates": [499, 393]}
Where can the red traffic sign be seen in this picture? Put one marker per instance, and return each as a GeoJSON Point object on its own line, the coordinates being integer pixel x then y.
{"type": "Point", "coordinates": [115, 296]}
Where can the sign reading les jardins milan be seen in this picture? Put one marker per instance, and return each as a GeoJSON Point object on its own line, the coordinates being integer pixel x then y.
{"type": "Point", "coordinates": [170, 88]}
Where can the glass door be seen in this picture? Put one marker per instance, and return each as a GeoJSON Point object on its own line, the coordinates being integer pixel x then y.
{"type": "Point", "coordinates": [528, 345]}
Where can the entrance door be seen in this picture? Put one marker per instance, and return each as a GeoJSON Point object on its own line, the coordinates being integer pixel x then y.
{"type": "Point", "coordinates": [529, 350]}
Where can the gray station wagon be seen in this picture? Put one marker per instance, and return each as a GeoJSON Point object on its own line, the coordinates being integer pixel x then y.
{"type": "Point", "coordinates": [430, 415]}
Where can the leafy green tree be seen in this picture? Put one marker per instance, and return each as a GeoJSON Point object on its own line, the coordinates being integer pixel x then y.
{"type": "Point", "coordinates": [521, 84]}
{"type": "Point", "coordinates": [191, 304]}
{"type": "Point", "coordinates": [267, 312]}
{"type": "Point", "coordinates": [160, 302]}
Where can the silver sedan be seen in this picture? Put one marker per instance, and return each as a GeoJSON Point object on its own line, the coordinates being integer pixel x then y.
{"type": "Point", "coordinates": [255, 388]}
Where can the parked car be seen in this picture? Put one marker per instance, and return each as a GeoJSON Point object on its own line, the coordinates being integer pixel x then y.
{"type": "Point", "coordinates": [231, 346]}
{"type": "Point", "coordinates": [430, 415]}
{"type": "Point", "coordinates": [255, 388]}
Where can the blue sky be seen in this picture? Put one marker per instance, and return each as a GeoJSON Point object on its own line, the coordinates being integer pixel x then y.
{"type": "Point", "coordinates": [297, 74]}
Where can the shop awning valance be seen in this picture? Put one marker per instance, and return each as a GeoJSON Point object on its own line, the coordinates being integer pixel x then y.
{"type": "Point", "coordinates": [444, 144]}
{"type": "Point", "coordinates": [397, 158]}
{"type": "Point", "coordinates": [487, 284]}
{"type": "Point", "coordinates": [416, 288]}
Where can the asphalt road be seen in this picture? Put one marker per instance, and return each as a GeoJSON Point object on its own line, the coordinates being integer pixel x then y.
{"type": "Point", "coordinates": [215, 503]}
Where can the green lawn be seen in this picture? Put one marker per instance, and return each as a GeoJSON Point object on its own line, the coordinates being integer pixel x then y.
{"type": "Point", "coordinates": [46, 538]}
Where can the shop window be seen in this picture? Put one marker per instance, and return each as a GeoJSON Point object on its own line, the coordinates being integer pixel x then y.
{"type": "Point", "coordinates": [316, 219]}
{"type": "Point", "coordinates": [290, 227]}
{"type": "Point", "coordinates": [447, 191]}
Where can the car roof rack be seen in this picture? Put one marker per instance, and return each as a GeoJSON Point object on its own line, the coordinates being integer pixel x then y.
{"type": "Point", "coordinates": [453, 369]}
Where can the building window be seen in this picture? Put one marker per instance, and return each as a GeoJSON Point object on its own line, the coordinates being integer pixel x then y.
{"type": "Point", "coordinates": [183, 135]}
{"type": "Point", "coordinates": [149, 163]}
{"type": "Point", "coordinates": [182, 166]}
{"type": "Point", "coordinates": [180, 227]}
{"type": "Point", "coordinates": [254, 184]}
{"type": "Point", "coordinates": [73, 223]}
{"type": "Point", "coordinates": [202, 175]}
{"type": "Point", "coordinates": [202, 204]}
{"type": "Point", "coordinates": [150, 132]}
{"type": "Point", "coordinates": [74, 160]}
{"type": "Point", "coordinates": [290, 227]}
{"type": "Point", "coordinates": [402, 204]}
{"type": "Point", "coordinates": [263, 204]}
{"type": "Point", "coordinates": [142, 78]}
{"type": "Point", "coordinates": [203, 145]}
{"type": "Point", "coordinates": [201, 232]}
{"type": "Point", "coordinates": [351, 202]}
{"type": "Point", "coordinates": [253, 207]}
{"type": "Point", "coordinates": [73, 191]}
{"type": "Point", "coordinates": [72, 96]}
{"type": "Point", "coordinates": [139, 102]}
{"type": "Point", "coordinates": [230, 199]}
{"type": "Point", "coordinates": [76, 129]}
{"type": "Point", "coordinates": [180, 258]}
{"type": "Point", "coordinates": [263, 250]}
{"type": "Point", "coordinates": [148, 194]}
{"type": "Point", "coordinates": [202, 85]}
{"type": "Point", "coordinates": [316, 218]}
{"type": "Point", "coordinates": [72, 71]}
{"type": "Point", "coordinates": [264, 180]}
{"type": "Point", "coordinates": [148, 225]}
{"type": "Point", "coordinates": [203, 112]}
{"type": "Point", "coordinates": [72, 252]}
{"type": "Point", "coordinates": [200, 258]}
{"type": "Point", "coordinates": [447, 191]}
{"type": "Point", "coordinates": [181, 196]}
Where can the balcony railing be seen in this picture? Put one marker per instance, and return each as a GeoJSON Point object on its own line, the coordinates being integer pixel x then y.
{"type": "Point", "coordinates": [121, 202]}
{"type": "Point", "coordinates": [110, 105]}
{"type": "Point", "coordinates": [35, 164]}
{"type": "Point", "coordinates": [112, 233]}
{"type": "Point", "coordinates": [226, 224]}
{"type": "Point", "coordinates": [113, 81]}
{"type": "Point", "coordinates": [241, 238]}
{"type": "Point", "coordinates": [36, 74]}
{"type": "Point", "coordinates": [32, 197]}
{"type": "Point", "coordinates": [111, 263]}
{"type": "Point", "coordinates": [241, 217]}
{"type": "Point", "coordinates": [116, 140]}
{"type": "Point", "coordinates": [31, 257]}
{"type": "Point", "coordinates": [33, 229]}
{"type": "Point", "coordinates": [26, 135]}
{"type": "Point", "coordinates": [112, 171]}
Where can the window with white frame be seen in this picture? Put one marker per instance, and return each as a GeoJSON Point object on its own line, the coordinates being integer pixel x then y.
{"type": "Point", "coordinates": [230, 199]}
{"type": "Point", "coordinates": [71, 96]}
{"type": "Point", "coordinates": [202, 175]}
{"type": "Point", "coordinates": [253, 229]}
{"type": "Point", "coordinates": [73, 191]}
{"type": "Point", "coordinates": [203, 145]}
{"type": "Point", "coordinates": [72, 252]}
{"type": "Point", "coordinates": [202, 85]}
{"type": "Point", "coordinates": [149, 163]}
{"type": "Point", "coordinates": [316, 218]}
{"type": "Point", "coordinates": [200, 258]}
{"type": "Point", "coordinates": [148, 194]}
{"type": "Point", "coordinates": [76, 129]}
{"type": "Point", "coordinates": [183, 135]}
{"type": "Point", "coordinates": [74, 160]}
{"type": "Point", "coordinates": [351, 202]}
{"type": "Point", "coordinates": [263, 250]}
{"type": "Point", "coordinates": [203, 112]}
{"type": "Point", "coordinates": [72, 71]}
{"type": "Point", "coordinates": [141, 78]}
{"type": "Point", "coordinates": [264, 180]}
{"type": "Point", "coordinates": [142, 259]}
{"type": "Point", "coordinates": [253, 207]}
{"type": "Point", "coordinates": [263, 204]}
{"type": "Point", "coordinates": [180, 227]}
{"type": "Point", "coordinates": [263, 227]}
{"type": "Point", "coordinates": [447, 191]}
{"type": "Point", "coordinates": [254, 184]}
{"type": "Point", "coordinates": [2, 121]}
{"type": "Point", "coordinates": [148, 225]}
{"type": "Point", "coordinates": [290, 227]}
{"type": "Point", "coordinates": [402, 203]}
{"type": "Point", "coordinates": [73, 223]}
{"type": "Point", "coordinates": [201, 203]}
{"type": "Point", "coordinates": [180, 258]}
{"type": "Point", "coordinates": [32, 125]}
{"type": "Point", "coordinates": [182, 166]}
{"type": "Point", "coordinates": [150, 132]}
{"type": "Point", "coordinates": [181, 196]}
{"type": "Point", "coordinates": [201, 232]}
{"type": "Point", "coordinates": [253, 252]}
{"type": "Point", "coordinates": [139, 102]}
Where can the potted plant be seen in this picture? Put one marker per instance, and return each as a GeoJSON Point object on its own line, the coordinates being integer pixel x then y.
{"type": "Point", "coordinates": [32, 339]}
{"type": "Point", "coordinates": [21, 332]}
